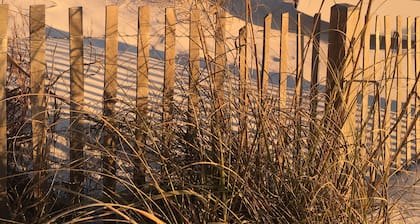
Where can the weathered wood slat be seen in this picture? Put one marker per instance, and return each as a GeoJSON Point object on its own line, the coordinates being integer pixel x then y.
{"type": "Point", "coordinates": [376, 124]}
{"type": "Point", "coordinates": [265, 71]}
{"type": "Point", "coordinates": [314, 90]}
{"type": "Point", "coordinates": [399, 91]}
{"type": "Point", "coordinates": [38, 103]}
{"type": "Point", "coordinates": [410, 85]}
{"type": "Point", "coordinates": [142, 91]}
{"type": "Point", "coordinates": [299, 65]}
{"type": "Point", "coordinates": [417, 73]}
{"type": "Point", "coordinates": [283, 70]}
{"type": "Point", "coordinates": [388, 87]}
{"type": "Point", "coordinates": [220, 68]}
{"type": "Point", "coordinates": [298, 90]}
{"type": "Point", "coordinates": [3, 113]}
{"type": "Point", "coordinates": [377, 76]}
{"type": "Point", "coordinates": [366, 86]}
{"type": "Point", "coordinates": [169, 76]}
{"type": "Point", "coordinates": [110, 93]}
{"type": "Point", "coordinates": [243, 84]}
{"type": "Point", "coordinates": [77, 136]}
{"type": "Point", "coordinates": [351, 76]}
{"type": "Point", "coordinates": [194, 62]}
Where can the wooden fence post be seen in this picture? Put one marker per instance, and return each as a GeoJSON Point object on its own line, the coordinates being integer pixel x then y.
{"type": "Point", "coordinates": [38, 103]}
{"type": "Point", "coordinates": [169, 78]}
{"type": "Point", "coordinates": [77, 136]}
{"type": "Point", "coordinates": [110, 94]}
{"type": "Point", "coordinates": [142, 93]}
{"type": "Point", "coordinates": [3, 113]}
{"type": "Point", "coordinates": [341, 89]}
{"type": "Point", "coordinates": [243, 82]}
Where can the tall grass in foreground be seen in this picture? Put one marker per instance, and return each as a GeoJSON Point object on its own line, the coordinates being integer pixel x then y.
{"type": "Point", "coordinates": [293, 168]}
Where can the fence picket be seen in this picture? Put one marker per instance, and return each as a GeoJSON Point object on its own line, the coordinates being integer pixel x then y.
{"type": "Point", "coordinates": [388, 86]}
{"type": "Point", "coordinates": [314, 90]}
{"type": "Point", "coordinates": [409, 86]}
{"type": "Point", "coordinates": [263, 84]}
{"type": "Point", "coordinates": [376, 124]}
{"type": "Point", "coordinates": [243, 82]}
{"type": "Point", "coordinates": [366, 86]}
{"type": "Point", "coordinates": [399, 91]}
{"type": "Point", "coordinates": [417, 73]}
{"type": "Point", "coordinates": [38, 105]}
{"type": "Point", "coordinates": [351, 77]}
{"type": "Point", "coordinates": [283, 71]}
{"type": "Point", "coordinates": [194, 61]}
{"type": "Point", "coordinates": [77, 139]}
{"type": "Point", "coordinates": [169, 76]}
{"type": "Point", "coordinates": [3, 113]}
{"type": "Point", "coordinates": [220, 63]}
{"type": "Point", "coordinates": [110, 93]}
{"type": "Point", "coordinates": [299, 66]}
{"type": "Point", "coordinates": [298, 89]}
{"type": "Point", "coordinates": [142, 91]}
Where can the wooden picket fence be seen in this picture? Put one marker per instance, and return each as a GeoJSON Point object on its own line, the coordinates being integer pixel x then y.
{"type": "Point", "coordinates": [349, 47]}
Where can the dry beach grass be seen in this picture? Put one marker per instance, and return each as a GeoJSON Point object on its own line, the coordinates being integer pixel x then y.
{"type": "Point", "coordinates": [292, 168]}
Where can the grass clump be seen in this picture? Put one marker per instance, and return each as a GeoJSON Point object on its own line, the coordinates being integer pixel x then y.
{"type": "Point", "coordinates": [292, 167]}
